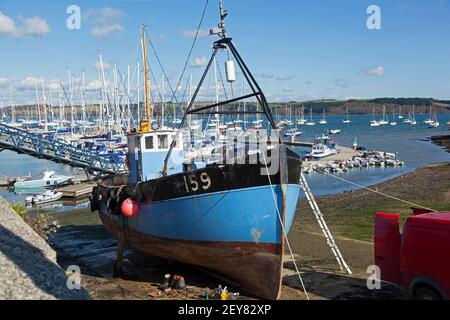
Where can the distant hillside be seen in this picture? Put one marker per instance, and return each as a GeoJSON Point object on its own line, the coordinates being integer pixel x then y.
{"type": "Point", "coordinates": [422, 105]}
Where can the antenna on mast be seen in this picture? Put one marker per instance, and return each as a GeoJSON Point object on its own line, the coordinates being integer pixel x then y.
{"type": "Point", "coordinates": [220, 30]}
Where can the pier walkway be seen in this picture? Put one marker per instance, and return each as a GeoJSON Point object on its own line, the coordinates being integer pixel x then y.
{"type": "Point", "coordinates": [43, 147]}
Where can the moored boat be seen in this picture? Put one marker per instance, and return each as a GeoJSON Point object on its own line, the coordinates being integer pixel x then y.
{"type": "Point", "coordinates": [46, 197]}
{"type": "Point", "coordinates": [230, 217]}
{"type": "Point", "coordinates": [45, 179]}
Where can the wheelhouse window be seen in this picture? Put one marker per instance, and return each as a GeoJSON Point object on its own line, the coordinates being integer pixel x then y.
{"type": "Point", "coordinates": [163, 141]}
{"type": "Point", "coordinates": [149, 142]}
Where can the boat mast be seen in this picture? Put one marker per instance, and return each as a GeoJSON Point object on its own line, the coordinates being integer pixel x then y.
{"type": "Point", "coordinates": [129, 99]}
{"type": "Point", "coordinates": [146, 124]}
{"type": "Point", "coordinates": [44, 104]}
{"type": "Point", "coordinates": [13, 109]}
{"type": "Point", "coordinates": [162, 100]}
{"type": "Point", "coordinates": [138, 118]}
{"type": "Point", "coordinates": [38, 108]}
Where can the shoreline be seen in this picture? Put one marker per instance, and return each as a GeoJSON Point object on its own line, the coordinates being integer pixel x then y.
{"type": "Point", "coordinates": [427, 186]}
{"type": "Point", "coordinates": [442, 140]}
{"type": "Point", "coordinates": [349, 215]}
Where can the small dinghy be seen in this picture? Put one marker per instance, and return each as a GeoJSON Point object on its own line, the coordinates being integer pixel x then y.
{"type": "Point", "coordinates": [46, 197]}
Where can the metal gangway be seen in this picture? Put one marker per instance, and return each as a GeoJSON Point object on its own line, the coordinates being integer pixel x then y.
{"type": "Point", "coordinates": [322, 224]}
{"type": "Point", "coordinates": [46, 147]}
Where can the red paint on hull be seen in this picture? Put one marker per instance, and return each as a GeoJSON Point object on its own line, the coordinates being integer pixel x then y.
{"type": "Point", "coordinates": [254, 267]}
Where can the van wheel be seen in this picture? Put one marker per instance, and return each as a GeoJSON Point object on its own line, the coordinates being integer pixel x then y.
{"type": "Point", "coordinates": [426, 293]}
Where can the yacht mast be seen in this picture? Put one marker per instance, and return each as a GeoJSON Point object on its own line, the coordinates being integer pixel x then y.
{"type": "Point", "coordinates": [44, 104]}
{"type": "Point", "coordinates": [146, 126]}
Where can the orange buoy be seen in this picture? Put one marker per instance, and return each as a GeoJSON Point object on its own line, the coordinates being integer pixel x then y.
{"type": "Point", "coordinates": [130, 208]}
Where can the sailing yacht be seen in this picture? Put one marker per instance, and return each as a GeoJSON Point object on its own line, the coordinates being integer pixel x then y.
{"type": "Point", "coordinates": [393, 122]}
{"type": "Point", "coordinates": [413, 119]}
{"type": "Point", "coordinates": [400, 112]}
{"type": "Point", "coordinates": [302, 119]}
{"type": "Point", "coordinates": [323, 121]}
{"type": "Point", "coordinates": [408, 120]}
{"type": "Point", "coordinates": [310, 122]}
{"type": "Point", "coordinates": [373, 122]}
{"type": "Point", "coordinates": [435, 123]}
{"type": "Point", "coordinates": [384, 121]}
{"type": "Point", "coordinates": [347, 120]}
{"type": "Point", "coordinates": [430, 119]}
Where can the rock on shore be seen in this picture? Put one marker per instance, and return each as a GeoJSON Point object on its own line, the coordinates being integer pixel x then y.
{"type": "Point", "coordinates": [28, 268]}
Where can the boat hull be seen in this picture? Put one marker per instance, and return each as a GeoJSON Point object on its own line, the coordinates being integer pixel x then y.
{"type": "Point", "coordinates": [234, 262]}
{"type": "Point", "coordinates": [233, 229]}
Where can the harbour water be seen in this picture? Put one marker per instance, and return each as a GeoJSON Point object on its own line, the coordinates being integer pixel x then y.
{"type": "Point", "coordinates": [410, 142]}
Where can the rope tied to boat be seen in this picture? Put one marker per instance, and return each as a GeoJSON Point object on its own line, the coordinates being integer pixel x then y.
{"type": "Point", "coordinates": [284, 229]}
{"type": "Point", "coordinates": [376, 191]}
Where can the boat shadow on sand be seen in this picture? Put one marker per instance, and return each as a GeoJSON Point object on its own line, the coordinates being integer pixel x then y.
{"type": "Point", "coordinates": [93, 249]}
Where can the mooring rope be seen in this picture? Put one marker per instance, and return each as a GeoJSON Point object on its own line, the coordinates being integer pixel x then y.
{"type": "Point", "coordinates": [284, 229]}
{"type": "Point", "coordinates": [375, 191]}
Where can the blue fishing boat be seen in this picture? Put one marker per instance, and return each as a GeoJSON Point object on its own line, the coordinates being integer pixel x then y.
{"type": "Point", "coordinates": [229, 217]}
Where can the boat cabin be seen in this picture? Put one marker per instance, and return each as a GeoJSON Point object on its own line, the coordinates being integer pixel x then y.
{"type": "Point", "coordinates": [147, 151]}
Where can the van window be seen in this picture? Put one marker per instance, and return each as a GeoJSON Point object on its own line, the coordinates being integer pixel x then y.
{"type": "Point", "coordinates": [149, 142]}
{"type": "Point", "coordinates": [163, 141]}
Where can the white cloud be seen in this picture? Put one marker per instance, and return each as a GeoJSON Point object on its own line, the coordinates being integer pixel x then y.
{"type": "Point", "coordinates": [29, 83]}
{"type": "Point", "coordinates": [105, 21]}
{"type": "Point", "coordinates": [98, 66]}
{"type": "Point", "coordinates": [104, 31]}
{"type": "Point", "coordinates": [93, 85]}
{"type": "Point", "coordinates": [28, 27]}
{"type": "Point", "coordinates": [265, 75]}
{"type": "Point", "coordinates": [54, 85]}
{"type": "Point", "coordinates": [4, 83]}
{"type": "Point", "coordinates": [199, 62]}
{"type": "Point", "coordinates": [7, 25]}
{"type": "Point", "coordinates": [285, 78]}
{"type": "Point", "coordinates": [202, 33]}
{"type": "Point", "coordinates": [342, 83]}
{"type": "Point", "coordinates": [374, 72]}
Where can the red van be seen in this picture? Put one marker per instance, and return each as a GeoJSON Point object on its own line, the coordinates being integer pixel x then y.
{"type": "Point", "coordinates": [419, 258]}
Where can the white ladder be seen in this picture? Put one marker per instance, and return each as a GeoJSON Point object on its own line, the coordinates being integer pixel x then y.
{"type": "Point", "coordinates": [323, 225]}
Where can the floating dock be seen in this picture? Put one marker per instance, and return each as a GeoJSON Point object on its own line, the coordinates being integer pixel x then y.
{"type": "Point", "coordinates": [76, 190]}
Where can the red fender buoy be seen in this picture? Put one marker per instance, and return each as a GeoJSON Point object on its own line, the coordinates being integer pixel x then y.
{"type": "Point", "coordinates": [130, 208]}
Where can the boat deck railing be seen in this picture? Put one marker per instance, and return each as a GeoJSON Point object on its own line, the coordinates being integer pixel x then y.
{"type": "Point", "coordinates": [43, 147]}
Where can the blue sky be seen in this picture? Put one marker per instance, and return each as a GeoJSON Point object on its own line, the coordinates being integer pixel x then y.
{"type": "Point", "coordinates": [298, 49]}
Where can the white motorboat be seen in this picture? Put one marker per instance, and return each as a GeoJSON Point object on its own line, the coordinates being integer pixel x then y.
{"type": "Point", "coordinates": [46, 197]}
{"type": "Point", "coordinates": [323, 147]}
{"type": "Point", "coordinates": [293, 133]}
{"type": "Point", "coordinates": [45, 179]}
{"type": "Point", "coordinates": [335, 131]}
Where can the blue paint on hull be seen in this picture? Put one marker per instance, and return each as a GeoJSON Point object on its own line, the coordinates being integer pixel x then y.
{"type": "Point", "coordinates": [243, 215]}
